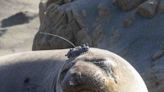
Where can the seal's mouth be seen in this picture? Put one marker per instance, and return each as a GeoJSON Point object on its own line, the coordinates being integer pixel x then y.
{"type": "Point", "coordinates": [87, 75]}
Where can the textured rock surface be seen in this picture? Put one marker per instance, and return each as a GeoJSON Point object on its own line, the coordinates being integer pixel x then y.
{"type": "Point", "coordinates": [102, 24]}
{"type": "Point", "coordinates": [161, 6]}
{"type": "Point", "coordinates": [148, 8]}
{"type": "Point", "coordinates": [128, 4]}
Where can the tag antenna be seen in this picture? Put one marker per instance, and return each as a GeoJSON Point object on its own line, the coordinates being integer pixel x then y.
{"type": "Point", "coordinates": [59, 37]}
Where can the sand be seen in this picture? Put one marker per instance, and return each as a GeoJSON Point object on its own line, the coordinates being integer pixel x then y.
{"type": "Point", "coordinates": [19, 23]}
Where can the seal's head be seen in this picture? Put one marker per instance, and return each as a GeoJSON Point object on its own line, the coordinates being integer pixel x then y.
{"type": "Point", "coordinates": [99, 71]}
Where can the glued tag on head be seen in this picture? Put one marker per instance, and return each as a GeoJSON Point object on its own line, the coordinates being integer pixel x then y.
{"type": "Point", "coordinates": [74, 52]}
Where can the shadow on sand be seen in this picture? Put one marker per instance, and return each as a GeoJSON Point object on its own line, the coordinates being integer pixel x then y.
{"type": "Point", "coordinates": [17, 19]}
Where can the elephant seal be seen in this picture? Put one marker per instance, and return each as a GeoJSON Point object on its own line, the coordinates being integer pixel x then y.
{"type": "Point", "coordinates": [94, 70]}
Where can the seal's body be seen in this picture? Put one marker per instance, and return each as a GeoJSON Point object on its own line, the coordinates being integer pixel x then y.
{"type": "Point", "coordinates": [30, 71]}
{"type": "Point", "coordinates": [96, 70]}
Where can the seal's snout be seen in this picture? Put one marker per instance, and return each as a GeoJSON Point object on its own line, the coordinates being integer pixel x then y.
{"type": "Point", "coordinates": [85, 77]}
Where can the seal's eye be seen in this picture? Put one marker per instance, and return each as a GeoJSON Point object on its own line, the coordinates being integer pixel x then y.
{"type": "Point", "coordinates": [102, 63]}
{"type": "Point", "coordinates": [107, 66]}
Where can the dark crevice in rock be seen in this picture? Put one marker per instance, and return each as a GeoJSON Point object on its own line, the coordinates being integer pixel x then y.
{"type": "Point", "coordinates": [27, 80]}
{"type": "Point", "coordinates": [128, 4]}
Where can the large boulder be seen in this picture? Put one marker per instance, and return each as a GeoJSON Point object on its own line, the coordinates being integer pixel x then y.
{"type": "Point", "coordinates": [148, 8]}
{"type": "Point", "coordinates": [100, 23]}
{"type": "Point", "coordinates": [128, 4]}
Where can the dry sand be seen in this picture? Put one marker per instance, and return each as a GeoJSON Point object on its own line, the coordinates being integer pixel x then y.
{"type": "Point", "coordinates": [18, 25]}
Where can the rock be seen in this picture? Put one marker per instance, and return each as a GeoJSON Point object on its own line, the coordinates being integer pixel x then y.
{"type": "Point", "coordinates": [158, 70]}
{"type": "Point", "coordinates": [148, 8]}
{"type": "Point", "coordinates": [60, 19]}
{"type": "Point", "coordinates": [160, 88]}
{"type": "Point", "coordinates": [103, 10]}
{"type": "Point", "coordinates": [128, 22]}
{"type": "Point", "coordinates": [161, 6]}
{"type": "Point", "coordinates": [128, 4]}
{"type": "Point", "coordinates": [83, 37]}
{"type": "Point", "coordinates": [48, 2]}
{"type": "Point", "coordinates": [158, 55]}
